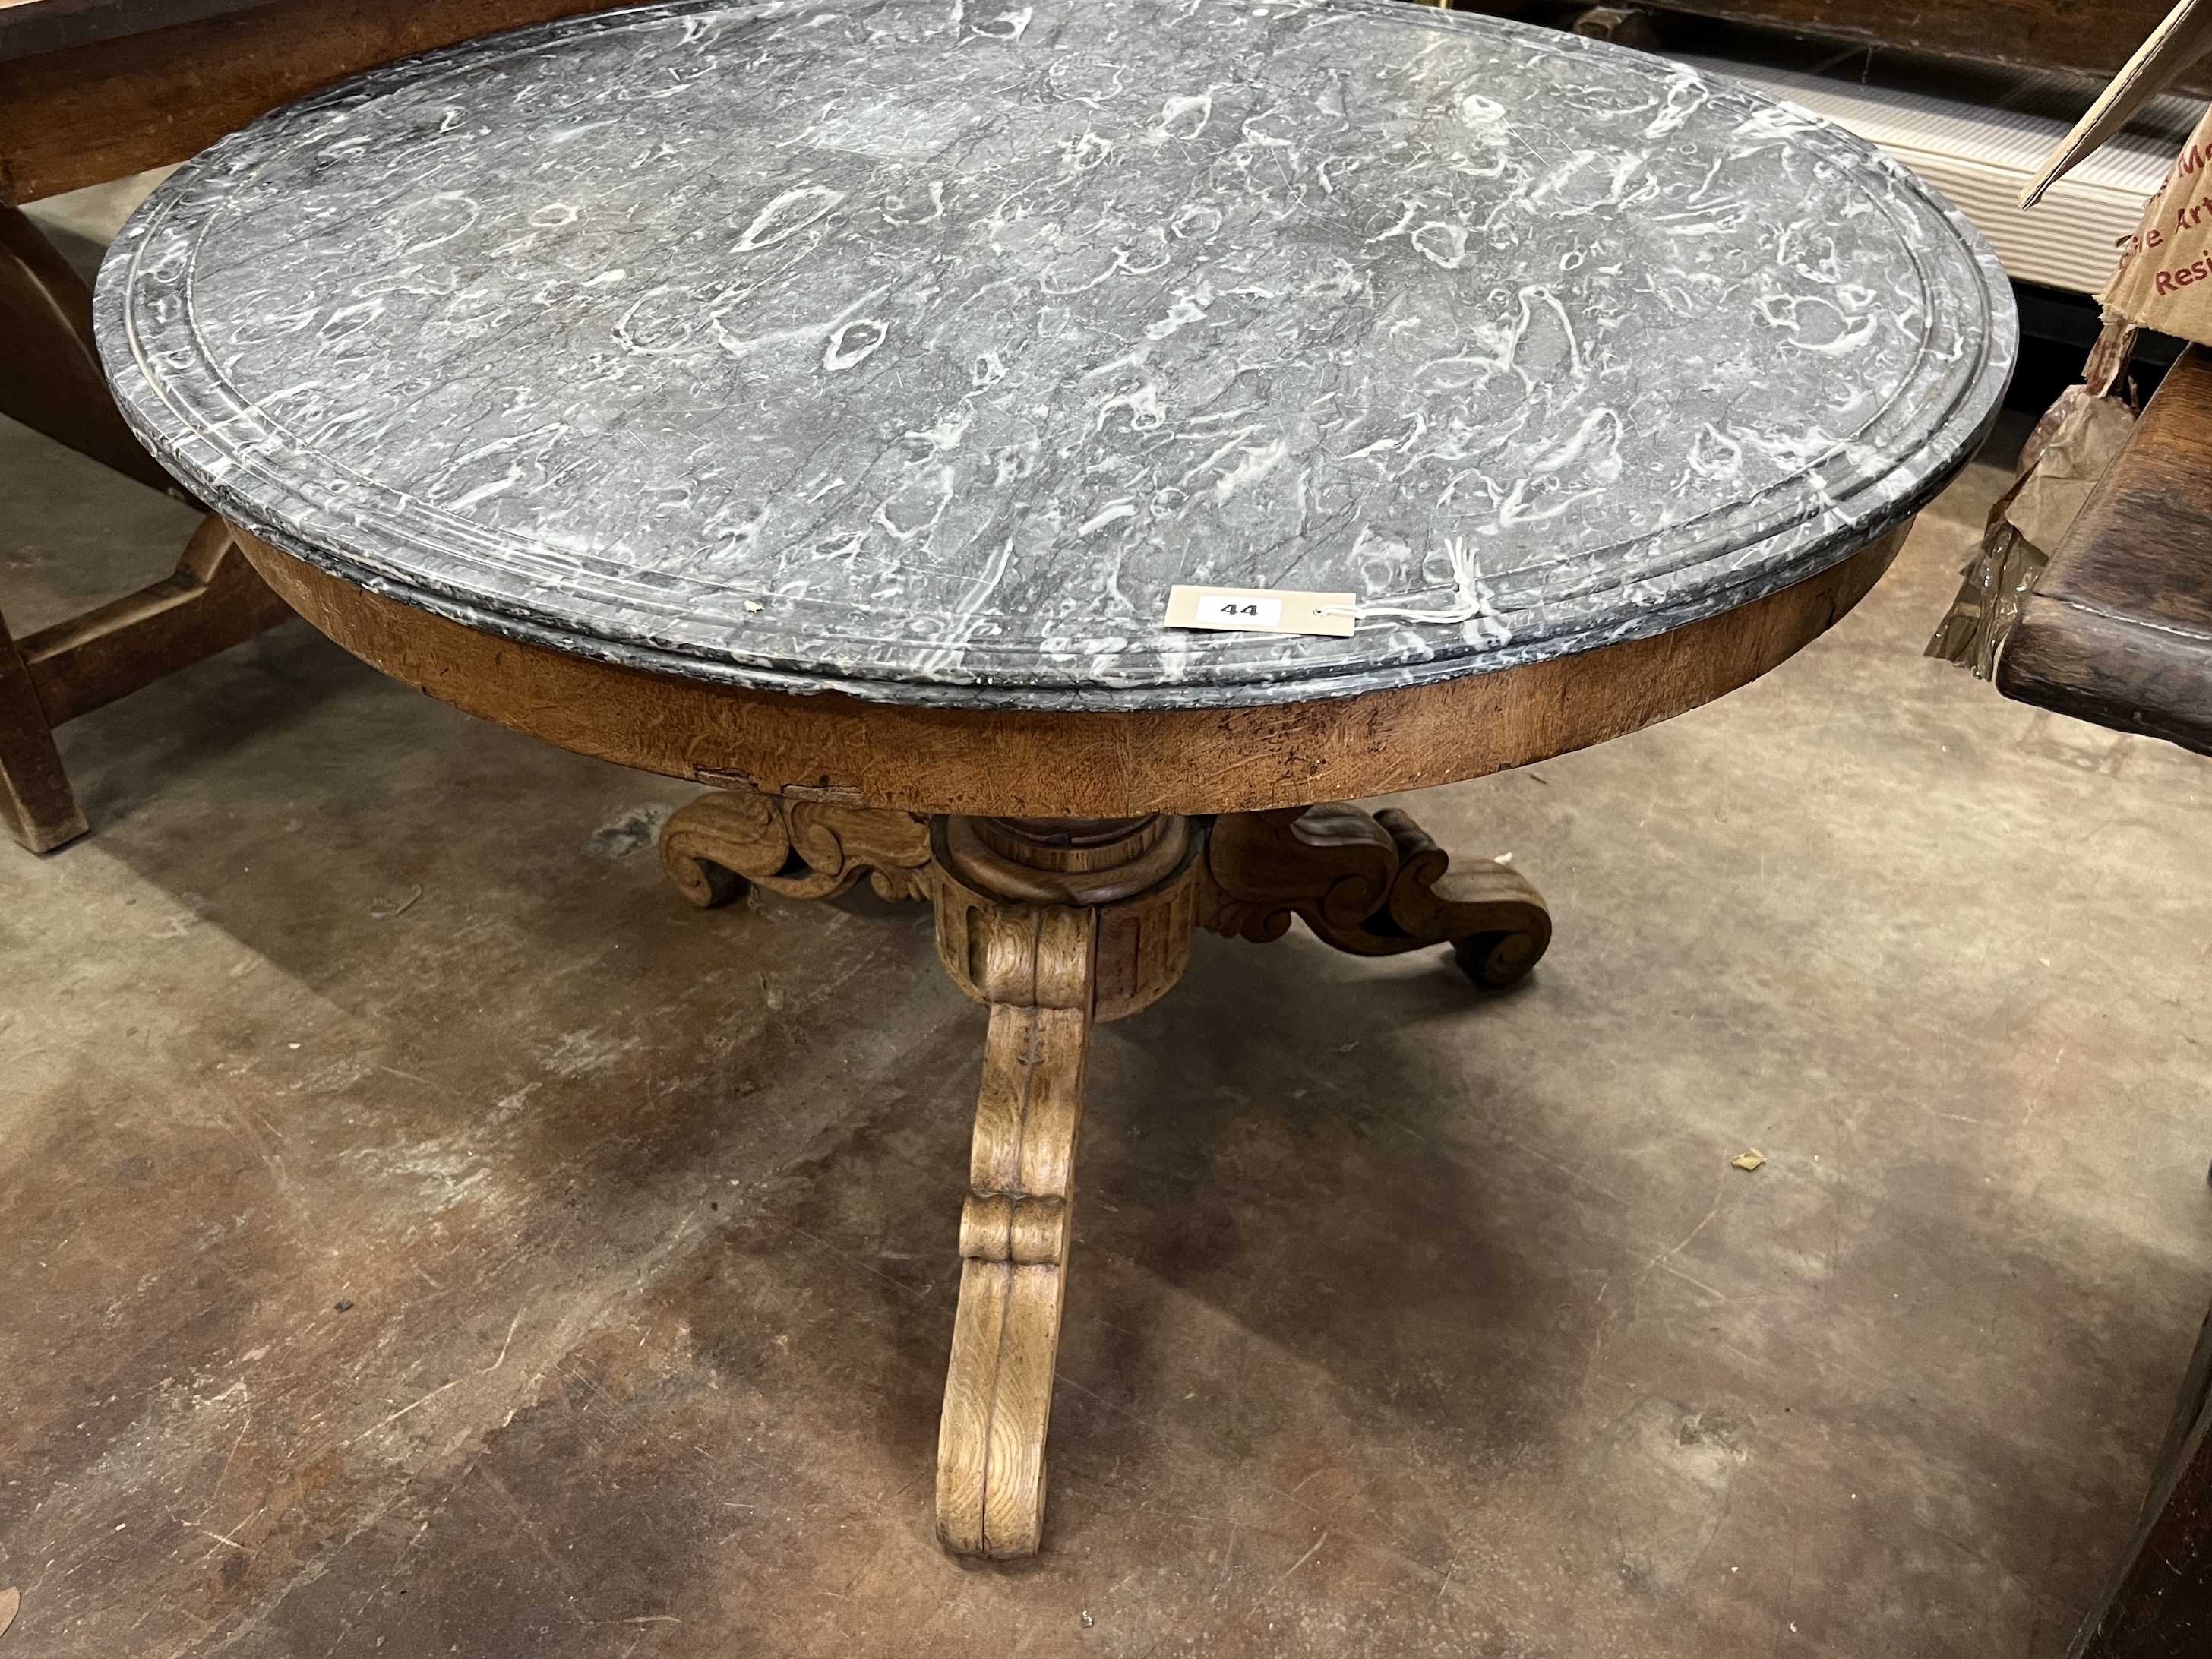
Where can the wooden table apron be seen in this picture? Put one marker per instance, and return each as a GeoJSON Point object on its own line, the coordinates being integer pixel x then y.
{"type": "Point", "coordinates": [1050, 764]}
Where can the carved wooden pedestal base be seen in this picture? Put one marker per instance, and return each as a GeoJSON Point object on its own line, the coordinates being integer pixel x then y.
{"type": "Point", "coordinates": [1057, 925]}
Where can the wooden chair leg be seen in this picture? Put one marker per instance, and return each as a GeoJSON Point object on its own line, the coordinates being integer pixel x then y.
{"type": "Point", "coordinates": [36, 806]}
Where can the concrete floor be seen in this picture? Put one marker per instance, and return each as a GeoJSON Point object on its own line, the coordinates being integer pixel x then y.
{"type": "Point", "coordinates": [422, 1233]}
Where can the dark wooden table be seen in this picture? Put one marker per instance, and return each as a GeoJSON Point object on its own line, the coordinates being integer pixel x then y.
{"type": "Point", "coordinates": [92, 90]}
{"type": "Point", "coordinates": [2089, 37]}
{"type": "Point", "coordinates": [2119, 630]}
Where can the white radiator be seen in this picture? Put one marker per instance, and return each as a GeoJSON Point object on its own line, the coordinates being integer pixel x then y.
{"type": "Point", "coordinates": [1980, 157]}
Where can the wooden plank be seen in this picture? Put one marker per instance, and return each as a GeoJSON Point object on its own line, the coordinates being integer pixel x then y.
{"type": "Point", "coordinates": [2119, 630]}
{"type": "Point", "coordinates": [36, 807]}
{"type": "Point", "coordinates": [50, 375]}
{"type": "Point", "coordinates": [84, 115]}
{"type": "Point", "coordinates": [2088, 37]}
{"type": "Point", "coordinates": [213, 601]}
{"type": "Point", "coordinates": [30, 27]}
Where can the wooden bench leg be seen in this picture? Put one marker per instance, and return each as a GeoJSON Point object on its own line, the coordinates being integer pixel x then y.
{"type": "Point", "coordinates": [213, 601]}
{"type": "Point", "coordinates": [51, 380]}
{"type": "Point", "coordinates": [35, 802]}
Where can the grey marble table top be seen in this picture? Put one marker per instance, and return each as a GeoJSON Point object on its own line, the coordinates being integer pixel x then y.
{"type": "Point", "coordinates": [915, 350]}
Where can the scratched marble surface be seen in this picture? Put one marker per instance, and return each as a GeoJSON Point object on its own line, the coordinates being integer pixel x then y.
{"type": "Point", "coordinates": [916, 349]}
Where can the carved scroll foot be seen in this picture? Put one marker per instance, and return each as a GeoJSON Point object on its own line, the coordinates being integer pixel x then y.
{"type": "Point", "coordinates": [726, 838]}
{"type": "Point", "coordinates": [1374, 885]}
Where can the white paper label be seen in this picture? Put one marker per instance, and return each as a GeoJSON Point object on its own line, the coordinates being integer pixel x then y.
{"type": "Point", "coordinates": [1261, 610]}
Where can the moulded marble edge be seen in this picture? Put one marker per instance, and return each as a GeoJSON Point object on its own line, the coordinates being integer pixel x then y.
{"type": "Point", "coordinates": [1828, 532]}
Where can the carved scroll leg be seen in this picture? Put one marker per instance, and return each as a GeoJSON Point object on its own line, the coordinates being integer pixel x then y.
{"type": "Point", "coordinates": [1497, 922]}
{"type": "Point", "coordinates": [1015, 1228]}
{"type": "Point", "coordinates": [1374, 885]}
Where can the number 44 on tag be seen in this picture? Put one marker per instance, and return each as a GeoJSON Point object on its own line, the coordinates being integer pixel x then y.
{"type": "Point", "coordinates": [1261, 610]}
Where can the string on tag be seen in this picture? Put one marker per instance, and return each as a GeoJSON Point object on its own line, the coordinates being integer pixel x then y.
{"type": "Point", "coordinates": [1469, 607]}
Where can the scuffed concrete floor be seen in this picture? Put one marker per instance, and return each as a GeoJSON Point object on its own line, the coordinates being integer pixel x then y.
{"type": "Point", "coordinates": [422, 1233]}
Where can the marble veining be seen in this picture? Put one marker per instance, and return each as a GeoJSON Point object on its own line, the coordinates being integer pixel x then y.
{"type": "Point", "coordinates": [916, 350]}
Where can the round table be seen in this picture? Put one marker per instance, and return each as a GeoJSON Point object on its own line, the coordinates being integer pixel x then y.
{"type": "Point", "coordinates": [820, 401]}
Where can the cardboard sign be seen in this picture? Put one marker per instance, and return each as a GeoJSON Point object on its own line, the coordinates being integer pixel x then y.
{"type": "Point", "coordinates": [2164, 277]}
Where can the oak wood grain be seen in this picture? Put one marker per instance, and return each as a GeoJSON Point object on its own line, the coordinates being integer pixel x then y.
{"type": "Point", "coordinates": [713, 847]}
{"type": "Point", "coordinates": [1043, 764]}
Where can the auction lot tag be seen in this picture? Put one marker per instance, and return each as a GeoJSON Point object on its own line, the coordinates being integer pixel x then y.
{"type": "Point", "coordinates": [1261, 610]}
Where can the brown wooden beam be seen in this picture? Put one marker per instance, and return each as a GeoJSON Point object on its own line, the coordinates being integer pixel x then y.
{"type": "Point", "coordinates": [213, 601]}
{"type": "Point", "coordinates": [2119, 629]}
{"type": "Point", "coordinates": [86, 114]}
{"type": "Point", "coordinates": [116, 103]}
{"type": "Point", "coordinates": [2091, 37]}
{"type": "Point", "coordinates": [30, 27]}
